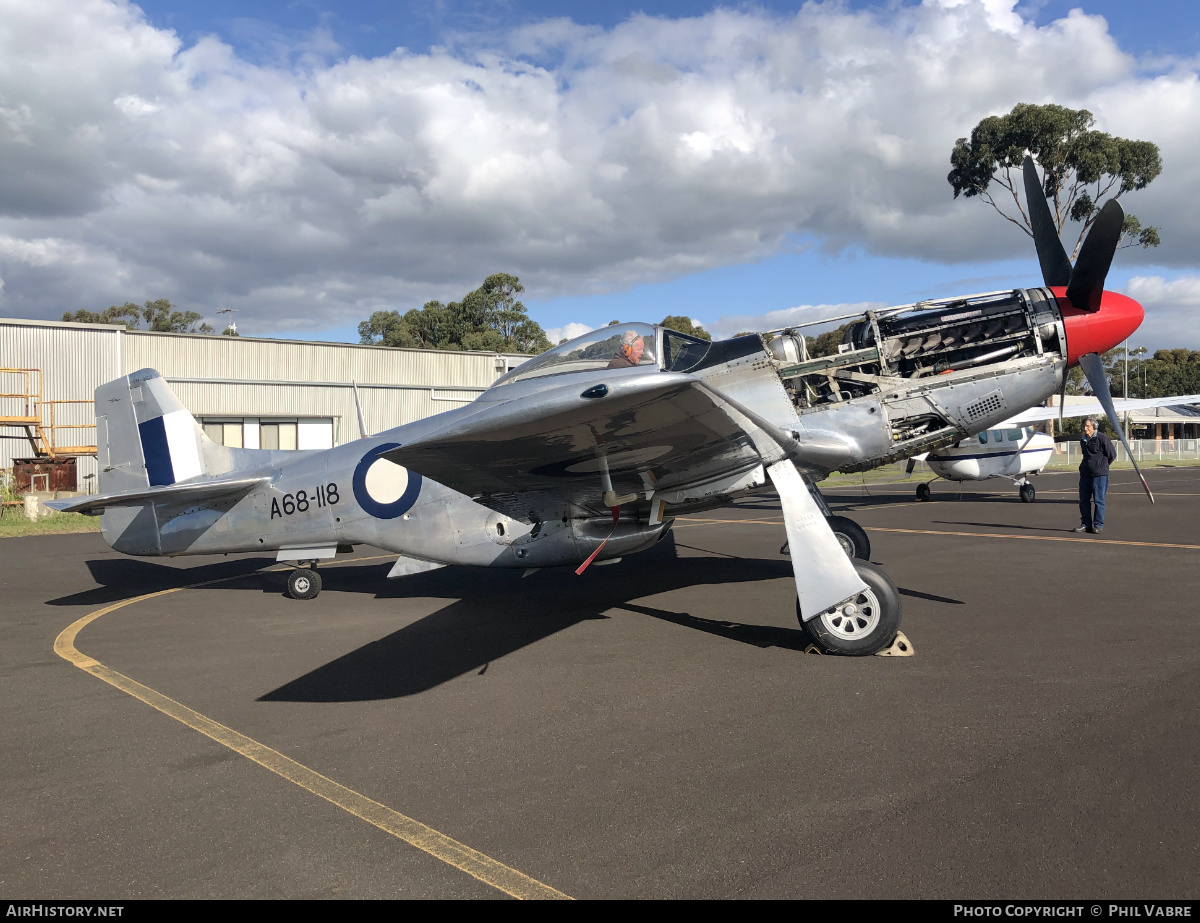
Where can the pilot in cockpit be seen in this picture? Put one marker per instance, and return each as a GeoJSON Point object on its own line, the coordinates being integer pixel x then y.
{"type": "Point", "coordinates": [629, 354]}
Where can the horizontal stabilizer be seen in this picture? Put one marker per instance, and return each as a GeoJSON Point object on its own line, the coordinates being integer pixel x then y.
{"type": "Point", "coordinates": [171, 493]}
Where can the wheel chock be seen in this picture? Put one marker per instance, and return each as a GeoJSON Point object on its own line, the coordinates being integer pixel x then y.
{"type": "Point", "coordinates": [901, 647]}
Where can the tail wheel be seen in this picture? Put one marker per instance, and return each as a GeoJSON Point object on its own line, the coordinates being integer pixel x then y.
{"type": "Point", "coordinates": [851, 536]}
{"type": "Point", "coordinates": [1027, 493]}
{"type": "Point", "coordinates": [862, 626]}
{"type": "Point", "coordinates": [923, 492]}
{"type": "Point", "coordinates": [303, 583]}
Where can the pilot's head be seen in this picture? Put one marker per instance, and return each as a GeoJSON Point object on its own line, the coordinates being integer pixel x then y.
{"type": "Point", "coordinates": [632, 346]}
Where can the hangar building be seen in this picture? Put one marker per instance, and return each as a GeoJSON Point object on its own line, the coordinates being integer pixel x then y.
{"type": "Point", "coordinates": [244, 391]}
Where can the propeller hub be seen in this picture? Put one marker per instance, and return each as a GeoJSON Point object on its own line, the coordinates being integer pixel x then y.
{"type": "Point", "coordinates": [1097, 331]}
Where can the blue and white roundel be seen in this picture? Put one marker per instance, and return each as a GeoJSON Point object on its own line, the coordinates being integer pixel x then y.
{"type": "Point", "coordinates": [383, 488]}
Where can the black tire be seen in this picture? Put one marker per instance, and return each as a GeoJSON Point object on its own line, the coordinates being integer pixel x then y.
{"type": "Point", "coordinates": [303, 583]}
{"type": "Point", "coordinates": [1028, 494]}
{"type": "Point", "coordinates": [923, 492]}
{"type": "Point", "coordinates": [854, 540]}
{"type": "Point", "coordinates": [867, 631]}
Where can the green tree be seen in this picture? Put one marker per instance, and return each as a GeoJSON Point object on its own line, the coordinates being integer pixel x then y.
{"type": "Point", "coordinates": [1082, 168]}
{"type": "Point", "coordinates": [684, 325]}
{"type": "Point", "coordinates": [160, 316]}
{"type": "Point", "coordinates": [487, 319]}
{"type": "Point", "coordinates": [128, 314]}
{"type": "Point", "coordinates": [827, 343]}
{"type": "Point", "coordinates": [1172, 371]}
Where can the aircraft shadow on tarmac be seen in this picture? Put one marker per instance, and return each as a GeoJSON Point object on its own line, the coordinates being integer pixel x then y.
{"type": "Point", "coordinates": [494, 613]}
{"type": "Point", "coordinates": [120, 578]}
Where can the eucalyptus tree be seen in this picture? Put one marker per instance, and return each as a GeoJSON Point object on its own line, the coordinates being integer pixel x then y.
{"type": "Point", "coordinates": [1082, 168]}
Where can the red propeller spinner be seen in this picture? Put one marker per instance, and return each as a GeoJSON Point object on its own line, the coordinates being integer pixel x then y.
{"type": "Point", "coordinates": [1097, 331]}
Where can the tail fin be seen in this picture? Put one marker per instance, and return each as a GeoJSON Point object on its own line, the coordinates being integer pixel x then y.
{"type": "Point", "coordinates": [145, 437]}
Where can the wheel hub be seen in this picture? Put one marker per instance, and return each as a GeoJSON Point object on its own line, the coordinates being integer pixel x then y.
{"type": "Point", "coordinates": [855, 619]}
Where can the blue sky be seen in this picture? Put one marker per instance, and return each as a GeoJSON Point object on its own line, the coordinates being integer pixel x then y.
{"type": "Point", "coordinates": [803, 274]}
{"type": "Point", "coordinates": [277, 177]}
{"type": "Point", "coordinates": [370, 28]}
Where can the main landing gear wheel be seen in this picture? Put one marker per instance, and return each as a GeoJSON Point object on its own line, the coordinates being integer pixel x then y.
{"type": "Point", "coordinates": [923, 492]}
{"type": "Point", "coordinates": [850, 534]}
{"type": "Point", "coordinates": [865, 625]}
{"type": "Point", "coordinates": [1027, 493]}
{"type": "Point", "coordinates": [303, 583]}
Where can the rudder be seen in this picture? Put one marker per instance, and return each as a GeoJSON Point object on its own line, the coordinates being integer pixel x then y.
{"type": "Point", "coordinates": [145, 437]}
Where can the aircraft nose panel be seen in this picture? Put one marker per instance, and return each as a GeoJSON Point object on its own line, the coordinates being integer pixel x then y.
{"type": "Point", "coordinates": [1118, 317]}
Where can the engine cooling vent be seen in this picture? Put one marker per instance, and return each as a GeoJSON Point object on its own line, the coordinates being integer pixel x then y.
{"type": "Point", "coordinates": [986, 406]}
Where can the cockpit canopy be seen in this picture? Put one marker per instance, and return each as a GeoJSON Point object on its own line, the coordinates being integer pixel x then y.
{"type": "Point", "coordinates": [619, 346]}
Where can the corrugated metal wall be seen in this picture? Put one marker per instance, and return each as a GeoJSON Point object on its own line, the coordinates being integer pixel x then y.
{"type": "Point", "coordinates": [74, 359]}
{"type": "Point", "coordinates": [243, 376]}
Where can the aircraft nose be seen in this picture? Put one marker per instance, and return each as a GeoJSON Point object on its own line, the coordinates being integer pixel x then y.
{"type": "Point", "coordinates": [1097, 331]}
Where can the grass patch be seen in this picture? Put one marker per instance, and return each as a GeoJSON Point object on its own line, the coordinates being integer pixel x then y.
{"type": "Point", "coordinates": [13, 523]}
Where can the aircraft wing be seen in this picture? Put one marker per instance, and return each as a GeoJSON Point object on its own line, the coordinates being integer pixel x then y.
{"type": "Point", "coordinates": [540, 455]}
{"type": "Point", "coordinates": [183, 492]}
{"type": "Point", "coordinates": [1092, 408]}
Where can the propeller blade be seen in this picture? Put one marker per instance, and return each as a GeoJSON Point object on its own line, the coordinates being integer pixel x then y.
{"type": "Point", "coordinates": [1056, 266]}
{"type": "Point", "coordinates": [912, 466]}
{"type": "Point", "coordinates": [1062, 399]}
{"type": "Point", "coordinates": [1093, 368]}
{"type": "Point", "coordinates": [1096, 255]}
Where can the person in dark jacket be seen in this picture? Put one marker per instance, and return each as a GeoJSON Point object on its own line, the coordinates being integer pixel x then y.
{"type": "Point", "coordinates": [1098, 452]}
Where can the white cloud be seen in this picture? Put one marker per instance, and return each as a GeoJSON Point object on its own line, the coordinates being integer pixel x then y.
{"type": "Point", "coordinates": [729, 324]}
{"type": "Point", "coordinates": [581, 159]}
{"type": "Point", "coordinates": [568, 332]}
{"type": "Point", "coordinates": [1172, 311]}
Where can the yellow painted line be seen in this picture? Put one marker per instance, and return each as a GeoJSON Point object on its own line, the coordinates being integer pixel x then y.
{"type": "Point", "coordinates": [1035, 538]}
{"type": "Point", "coordinates": [413, 832]}
{"type": "Point", "coordinates": [1119, 493]}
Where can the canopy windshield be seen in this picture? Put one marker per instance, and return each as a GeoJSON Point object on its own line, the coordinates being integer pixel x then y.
{"type": "Point", "coordinates": [621, 346]}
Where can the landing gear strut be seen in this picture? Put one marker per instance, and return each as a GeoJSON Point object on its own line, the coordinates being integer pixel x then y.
{"type": "Point", "coordinates": [850, 534]}
{"type": "Point", "coordinates": [304, 582]}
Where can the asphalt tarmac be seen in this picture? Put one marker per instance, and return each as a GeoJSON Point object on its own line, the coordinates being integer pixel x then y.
{"type": "Point", "coordinates": [652, 729]}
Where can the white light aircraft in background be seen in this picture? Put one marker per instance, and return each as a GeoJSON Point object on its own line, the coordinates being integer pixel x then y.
{"type": "Point", "coordinates": [1014, 448]}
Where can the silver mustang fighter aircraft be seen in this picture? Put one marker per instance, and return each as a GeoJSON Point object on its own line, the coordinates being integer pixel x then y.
{"type": "Point", "coordinates": [584, 453]}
